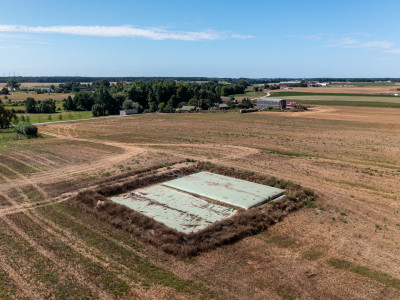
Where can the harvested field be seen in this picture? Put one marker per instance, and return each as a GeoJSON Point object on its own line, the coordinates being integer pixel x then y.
{"type": "Point", "coordinates": [21, 96]}
{"type": "Point", "coordinates": [343, 245]}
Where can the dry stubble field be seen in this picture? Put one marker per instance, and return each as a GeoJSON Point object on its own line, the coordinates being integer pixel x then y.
{"type": "Point", "coordinates": [347, 247]}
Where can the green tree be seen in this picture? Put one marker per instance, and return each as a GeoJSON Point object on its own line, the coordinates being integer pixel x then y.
{"type": "Point", "coordinates": [128, 104]}
{"type": "Point", "coordinates": [4, 91]}
{"type": "Point", "coordinates": [69, 104]}
{"type": "Point", "coordinates": [47, 106]}
{"type": "Point", "coordinates": [83, 101]}
{"type": "Point", "coordinates": [103, 97]}
{"type": "Point", "coordinates": [13, 84]}
{"type": "Point", "coordinates": [97, 110]}
{"type": "Point", "coordinates": [6, 116]}
{"type": "Point", "coordinates": [30, 105]}
{"type": "Point", "coordinates": [152, 102]}
{"type": "Point", "coordinates": [161, 107]}
{"type": "Point", "coordinates": [101, 83]}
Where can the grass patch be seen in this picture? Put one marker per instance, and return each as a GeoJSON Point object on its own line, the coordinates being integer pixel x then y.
{"type": "Point", "coordinates": [249, 94]}
{"type": "Point", "coordinates": [281, 242]}
{"type": "Point", "coordinates": [286, 153]}
{"type": "Point", "coordinates": [366, 272]}
{"type": "Point", "coordinates": [312, 254]}
{"type": "Point", "coordinates": [65, 116]}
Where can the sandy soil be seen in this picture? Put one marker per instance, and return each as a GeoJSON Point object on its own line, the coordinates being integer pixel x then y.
{"type": "Point", "coordinates": [350, 156]}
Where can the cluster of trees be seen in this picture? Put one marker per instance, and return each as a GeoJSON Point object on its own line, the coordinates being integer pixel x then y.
{"type": "Point", "coordinates": [13, 84]}
{"type": "Point", "coordinates": [236, 88]}
{"type": "Point", "coordinates": [6, 117]}
{"type": "Point", "coordinates": [162, 96]}
{"type": "Point", "coordinates": [68, 87]}
{"type": "Point", "coordinates": [4, 91]}
{"type": "Point", "coordinates": [45, 106]}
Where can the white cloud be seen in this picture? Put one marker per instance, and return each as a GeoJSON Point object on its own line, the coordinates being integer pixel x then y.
{"type": "Point", "coordinates": [393, 51]}
{"type": "Point", "coordinates": [316, 37]}
{"type": "Point", "coordinates": [373, 45]}
{"type": "Point", "coordinates": [348, 42]}
{"type": "Point", "coordinates": [242, 36]}
{"type": "Point", "coordinates": [344, 43]}
{"type": "Point", "coordinates": [124, 31]}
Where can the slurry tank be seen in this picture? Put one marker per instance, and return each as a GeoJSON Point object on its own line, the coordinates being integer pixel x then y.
{"type": "Point", "coordinates": [191, 203]}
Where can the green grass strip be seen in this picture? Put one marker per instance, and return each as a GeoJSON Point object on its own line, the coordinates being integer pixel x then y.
{"type": "Point", "coordinates": [366, 272]}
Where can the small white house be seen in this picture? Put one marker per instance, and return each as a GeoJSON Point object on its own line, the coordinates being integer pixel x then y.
{"type": "Point", "coordinates": [127, 112]}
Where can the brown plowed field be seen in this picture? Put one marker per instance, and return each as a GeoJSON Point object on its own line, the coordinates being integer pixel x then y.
{"type": "Point", "coordinates": [344, 247]}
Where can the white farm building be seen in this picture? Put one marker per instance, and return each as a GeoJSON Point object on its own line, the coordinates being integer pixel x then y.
{"type": "Point", "coordinates": [127, 112]}
{"type": "Point", "coordinates": [264, 102]}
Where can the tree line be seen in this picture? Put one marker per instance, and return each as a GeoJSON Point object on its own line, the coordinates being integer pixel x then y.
{"type": "Point", "coordinates": [41, 106]}
{"type": "Point", "coordinates": [63, 79]}
{"type": "Point", "coordinates": [158, 95]}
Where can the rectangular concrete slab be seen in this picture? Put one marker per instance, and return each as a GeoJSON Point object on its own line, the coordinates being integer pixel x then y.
{"type": "Point", "coordinates": [178, 210]}
{"type": "Point", "coordinates": [225, 189]}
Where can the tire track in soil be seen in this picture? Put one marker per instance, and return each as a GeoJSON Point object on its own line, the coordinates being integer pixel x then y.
{"type": "Point", "coordinates": [9, 180]}
{"type": "Point", "coordinates": [88, 252]}
{"type": "Point", "coordinates": [35, 168]}
{"type": "Point", "coordinates": [38, 160]}
{"type": "Point", "coordinates": [22, 180]}
{"type": "Point", "coordinates": [77, 245]}
{"type": "Point", "coordinates": [61, 264]}
{"type": "Point", "coordinates": [25, 289]}
{"type": "Point", "coordinates": [64, 197]}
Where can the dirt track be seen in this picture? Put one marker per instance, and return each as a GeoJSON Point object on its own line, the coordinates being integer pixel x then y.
{"type": "Point", "coordinates": [349, 156]}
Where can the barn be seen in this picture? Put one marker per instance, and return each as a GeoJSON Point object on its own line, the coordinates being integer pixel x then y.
{"type": "Point", "coordinates": [127, 112]}
{"type": "Point", "coordinates": [264, 102]}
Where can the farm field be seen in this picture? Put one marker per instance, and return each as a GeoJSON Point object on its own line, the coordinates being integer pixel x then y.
{"type": "Point", "coordinates": [21, 96]}
{"type": "Point", "coordinates": [339, 99]}
{"type": "Point", "coordinates": [386, 99]}
{"type": "Point", "coordinates": [65, 116]}
{"type": "Point", "coordinates": [251, 95]}
{"type": "Point", "coordinates": [38, 84]}
{"type": "Point", "coordinates": [346, 246]}
{"type": "Point", "coordinates": [356, 89]}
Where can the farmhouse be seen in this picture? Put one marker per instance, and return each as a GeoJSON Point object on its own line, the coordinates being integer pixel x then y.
{"type": "Point", "coordinates": [223, 106]}
{"type": "Point", "coordinates": [127, 112]}
{"type": "Point", "coordinates": [188, 108]}
{"type": "Point", "coordinates": [226, 99]}
{"type": "Point", "coordinates": [270, 102]}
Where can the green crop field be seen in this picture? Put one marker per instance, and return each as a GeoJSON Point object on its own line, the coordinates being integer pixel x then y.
{"type": "Point", "coordinates": [341, 99]}
{"type": "Point", "coordinates": [292, 94]}
{"type": "Point", "coordinates": [65, 116]}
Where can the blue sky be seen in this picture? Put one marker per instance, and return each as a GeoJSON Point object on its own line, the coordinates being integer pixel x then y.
{"type": "Point", "coordinates": [201, 38]}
